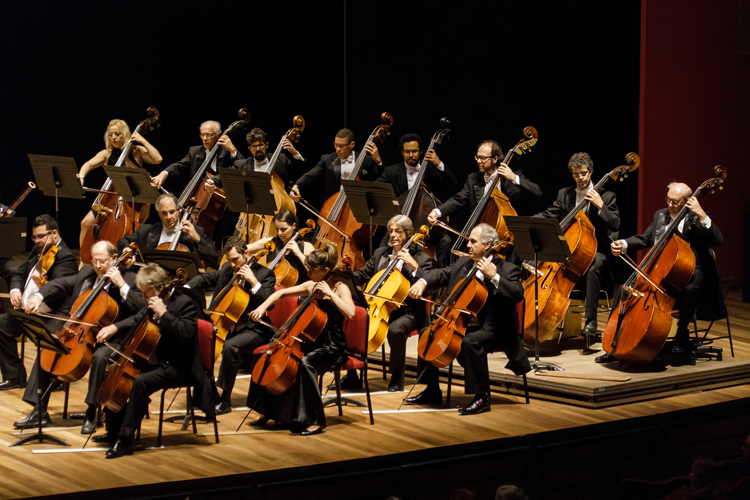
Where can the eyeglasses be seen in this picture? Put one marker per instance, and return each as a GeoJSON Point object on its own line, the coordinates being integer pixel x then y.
{"type": "Point", "coordinates": [581, 175]}
{"type": "Point", "coordinates": [341, 146]}
{"type": "Point", "coordinates": [673, 202]}
{"type": "Point", "coordinates": [482, 159]}
{"type": "Point", "coordinates": [102, 262]}
{"type": "Point", "coordinates": [114, 134]}
{"type": "Point", "coordinates": [207, 136]}
{"type": "Point", "coordinates": [40, 236]}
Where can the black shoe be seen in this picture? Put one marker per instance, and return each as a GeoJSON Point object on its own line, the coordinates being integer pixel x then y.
{"type": "Point", "coordinates": [119, 449]}
{"type": "Point", "coordinates": [678, 349]}
{"type": "Point", "coordinates": [396, 388]}
{"type": "Point", "coordinates": [107, 437]}
{"type": "Point", "coordinates": [307, 432]}
{"type": "Point", "coordinates": [11, 383]}
{"type": "Point", "coordinates": [349, 381]}
{"type": "Point", "coordinates": [223, 407]}
{"type": "Point", "coordinates": [260, 422]}
{"type": "Point", "coordinates": [426, 397]}
{"type": "Point", "coordinates": [57, 386]}
{"type": "Point", "coordinates": [480, 404]}
{"type": "Point", "coordinates": [591, 327]}
{"type": "Point", "coordinates": [89, 420]}
{"type": "Point", "coordinates": [605, 358]}
{"type": "Point", "coordinates": [32, 420]}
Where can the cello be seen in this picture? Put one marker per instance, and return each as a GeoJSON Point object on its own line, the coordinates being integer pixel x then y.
{"type": "Point", "coordinates": [114, 217]}
{"type": "Point", "coordinates": [639, 329]}
{"type": "Point", "coordinates": [286, 275]}
{"type": "Point", "coordinates": [556, 280]}
{"type": "Point", "coordinates": [10, 210]}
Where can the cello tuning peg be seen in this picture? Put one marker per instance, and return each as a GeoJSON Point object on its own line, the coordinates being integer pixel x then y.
{"type": "Point", "coordinates": [721, 188]}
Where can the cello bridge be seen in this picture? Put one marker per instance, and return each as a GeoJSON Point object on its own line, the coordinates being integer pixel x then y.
{"type": "Point", "coordinates": [532, 269]}
{"type": "Point", "coordinates": [632, 291]}
{"type": "Point", "coordinates": [101, 209]}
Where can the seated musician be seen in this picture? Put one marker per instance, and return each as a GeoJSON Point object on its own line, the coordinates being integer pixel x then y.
{"type": "Point", "coordinates": [150, 236]}
{"type": "Point", "coordinates": [177, 359]}
{"type": "Point", "coordinates": [704, 289]}
{"type": "Point", "coordinates": [301, 405]}
{"type": "Point", "coordinates": [247, 335]}
{"type": "Point", "coordinates": [286, 226]}
{"type": "Point", "coordinates": [604, 216]}
{"type": "Point", "coordinates": [494, 326]}
{"type": "Point", "coordinates": [122, 290]}
{"type": "Point", "coordinates": [513, 184]}
{"type": "Point", "coordinates": [116, 136]}
{"type": "Point", "coordinates": [24, 283]}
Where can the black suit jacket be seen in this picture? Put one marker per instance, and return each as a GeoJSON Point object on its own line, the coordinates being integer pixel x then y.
{"type": "Point", "coordinates": [192, 161]}
{"type": "Point", "coordinates": [147, 237]}
{"type": "Point", "coordinates": [65, 264]}
{"type": "Point", "coordinates": [325, 177]}
{"type": "Point", "coordinates": [288, 169]}
{"type": "Point", "coordinates": [395, 175]}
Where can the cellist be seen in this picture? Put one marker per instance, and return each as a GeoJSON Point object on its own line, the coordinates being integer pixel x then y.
{"type": "Point", "coordinates": [301, 404]}
{"type": "Point", "coordinates": [247, 334]}
{"type": "Point", "coordinates": [705, 286]}
{"type": "Point", "coordinates": [493, 329]}
{"type": "Point", "coordinates": [123, 291]}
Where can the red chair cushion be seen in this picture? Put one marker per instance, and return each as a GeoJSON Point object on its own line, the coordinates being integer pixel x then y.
{"type": "Point", "coordinates": [355, 330]}
{"type": "Point", "coordinates": [206, 341]}
{"type": "Point", "coordinates": [282, 311]}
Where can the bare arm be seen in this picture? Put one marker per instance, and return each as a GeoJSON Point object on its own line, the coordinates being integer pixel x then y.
{"type": "Point", "coordinates": [97, 161]}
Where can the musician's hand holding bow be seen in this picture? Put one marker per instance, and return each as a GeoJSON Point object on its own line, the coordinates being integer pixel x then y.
{"type": "Point", "coordinates": [32, 305]}
{"type": "Point", "coordinates": [617, 247]}
{"type": "Point", "coordinates": [294, 193]}
{"type": "Point", "coordinates": [258, 313]}
{"type": "Point", "coordinates": [432, 217]}
{"type": "Point", "coordinates": [189, 229]}
{"type": "Point", "coordinates": [16, 298]}
{"type": "Point", "coordinates": [210, 186]}
{"type": "Point", "coordinates": [487, 268]}
{"type": "Point", "coordinates": [159, 179]}
{"type": "Point", "coordinates": [105, 333]}
{"type": "Point", "coordinates": [417, 289]}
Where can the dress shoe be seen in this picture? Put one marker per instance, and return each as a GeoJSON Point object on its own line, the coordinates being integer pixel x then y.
{"type": "Point", "coordinates": [223, 407]}
{"type": "Point", "coordinates": [119, 449]}
{"type": "Point", "coordinates": [349, 381]}
{"type": "Point", "coordinates": [33, 420]}
{"type": "Point", "coordinates": [480, 404]}
{"type": "Point", "coordinates": [11, 383]}
{"type": "Point", "coordinates": [107, 437]}
{"type": "Point", "coordinates": [678, 349]}
{"type": "Point", "coordinates": [57, 386]}
{"type": "Point", "coordinates": [260, 422]}
{"type": "Point", "coordinates": [605, 358]}
{"type": "Point", "coordinates": [89, 420]}
{"type": "Point", "coordinates": [591, 327]}
{"type": "Point", "coordinates": [395, 388]}
{"type": "Point", "coordinates": [307, 432]}
{"type": "Point", "coordinates": [426, 397]}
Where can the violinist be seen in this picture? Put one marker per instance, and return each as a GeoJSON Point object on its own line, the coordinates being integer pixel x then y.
{"type": "Point", "coordinates": [116, 136]}
{"type": "Point", "coordinates": [494, 326]}
{"type": "Point", "coordinates": [605, 217]}
{"type": "Point", "coordinates": [301, 405]}
{"type": "Point", "coordinates": [295, 253]}
{"type": "Point", "coordinates": [150, 236]}
{"type": "Point", "coordinates": [123, 291]}
{"type": "Point", "coordinates": [24, 283]}
{"type": "Point", "coordinates": [177, 359]}
{"type": "Point", "coordinates": [513, 184]}
{"type": "Point", "coordinates": [704, 289]}
{"type": "Point", "coordinates": [247, 334]}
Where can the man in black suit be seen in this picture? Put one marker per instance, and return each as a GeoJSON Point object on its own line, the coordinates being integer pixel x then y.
{"type": "Point", "coordinates": [494, 328]}
{"type": "Point", "coordinates": [704, 290]}
{"type": "Point", "coordinates": [258, 282]}
{"type": "Point", "coordinates": [24, 283]}
{"type": "Point", "coordinates": [122, 291]}
{"type": "Point", "coordinates": [488, 159]}
{"type": "Point", "coordinates": [604, 216]}
{"type": "Point", "coordinates": [176, 360]}
{"type": "Point", "coordinates": [150, 236]}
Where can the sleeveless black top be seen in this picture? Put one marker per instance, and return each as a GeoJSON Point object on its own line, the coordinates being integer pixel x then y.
{"type": "Point", "coordinates": [291, 258]}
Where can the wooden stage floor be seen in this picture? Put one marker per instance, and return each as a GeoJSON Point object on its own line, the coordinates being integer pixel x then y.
{"type": "Point", "coordinates": [189, 462]}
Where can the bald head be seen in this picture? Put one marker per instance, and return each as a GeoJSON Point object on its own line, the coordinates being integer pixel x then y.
{"type": "Point", "coordinates": [677, 196]}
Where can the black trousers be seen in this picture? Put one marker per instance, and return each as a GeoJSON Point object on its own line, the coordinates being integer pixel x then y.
{"type": "Point", "coordinates": [599, 273]}
{"type": "Point", "coordinates": [244, 341]}
{"type": "Point", "coordinates": [10, 364]}
{"type": "Point", "coordinates": [398, 333]}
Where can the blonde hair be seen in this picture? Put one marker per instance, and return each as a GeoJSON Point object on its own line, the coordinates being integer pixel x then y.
{"type": "Point", "coordinates": [151, 276]}
{"type": "Point", "coordinates": [321, 258]}
{"type": "Point", "coordinates": [123, 128]}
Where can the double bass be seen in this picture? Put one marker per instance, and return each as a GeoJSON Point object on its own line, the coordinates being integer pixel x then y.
{"type": "Point", "coordinates": [638, 330]}
{"type": "Point", "coordinates": [114, 217]}
{"type": "Point", "coordinates": [556, 280]}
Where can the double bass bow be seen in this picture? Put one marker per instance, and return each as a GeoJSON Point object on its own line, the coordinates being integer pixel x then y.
{"type": "Point", "coordinates": [10, 210]}
{"type": "Point", "coordinates": [638, 330]}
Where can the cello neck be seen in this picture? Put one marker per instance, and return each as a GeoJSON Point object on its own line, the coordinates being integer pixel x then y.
{"type": "Point", "coordinates": [281, 252]}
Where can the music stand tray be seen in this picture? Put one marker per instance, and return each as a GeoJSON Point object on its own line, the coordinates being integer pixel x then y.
{"type": "Point", "coordinates": [172, 260]}
{"type": "Point", "coordinates": [56, 176]}
{"type": "Point", "coordinates": [371, 202]}
{"type": "Point", "coordinates": [12, 236]}
{"type": "Point", "coordinates": [249, 192]}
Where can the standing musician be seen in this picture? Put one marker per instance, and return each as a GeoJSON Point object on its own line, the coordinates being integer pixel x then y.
{"type": "Point", "coordinates": [301, 405]}
{"type": "Point", "coordinates": [605, 218]}
{"type": "Point", "coordinates": [177, 359]}
{"type": "Point", "coordinates": [24, 283]}
{"type": "Point", "coordinates": [247, 334]}
{"type": "Point", "coordinates": [129, 300]}
{"type": "Point", "coordinates": [704, 289]}
{"type": "Point", "coordinates": [494, 326]}
{"type": "Point", "coordinates": [488, 161]}
{"type": "Point", "coordinates": [150, 236]}
{"type": "Point", "coordinates": [116, 136]}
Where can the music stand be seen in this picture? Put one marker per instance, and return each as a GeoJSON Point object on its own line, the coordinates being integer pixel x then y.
{"type": "Point", "coordinates": [56, 176]}
{"type": "Point", "coordinates": [248, 191]}
{"type": "Point", "coordinates": [12, 236]}
{"type": "Point", "coordinates": [537, 238]}
{"type": "Point", "coordinates": [172, 260]}
{"type": "Point", "coordinates": [373, 201]}
{"type": "Point", "coordinates": [133, 183]}
{"type": "Point", "coordinates": [36, 330]}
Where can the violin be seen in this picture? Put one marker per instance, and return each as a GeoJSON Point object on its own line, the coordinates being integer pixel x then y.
{"type": "Point", "coordinates": [114, 218]}
{"type": "Point", "coordinates": [10, 211]}
{"type": "Point", "coordinates": [391, 288]}
{"type": "Point", "coordinates": [286, 275]}
{"type": "Point", "coordinates": [556, 280]}
{"type": "Point", "coordinates": [46, 261]}
{"type": "Point", "coordinates": [139, 343]}
{"type": "Point", "coordinates": [639, 330]}
{"type": "Point", "coordinates": [92, 311]}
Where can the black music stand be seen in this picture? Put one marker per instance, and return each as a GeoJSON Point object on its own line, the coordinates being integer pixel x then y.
{"type": "Point", "coordinates": [36, 330]}
{"type": "Point", "coordinates": [172, 260]}
{"type": "Point", "coordinates": [371, 201]}
{"type": "Point", "coordinates": [538, 238]}
{"type": "Point", "coordinates": [133, 183]}
{"type": "Point", "coordinates": [248, 191]}
{"type": "Point", "coordinates": [56, 176]}
{"type": "Point", "coordinates": [12, 236]}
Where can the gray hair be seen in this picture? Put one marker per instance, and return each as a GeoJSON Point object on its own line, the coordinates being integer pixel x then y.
{"type": "Point", "coordinates": [167, 195]}
{"type": "Point", "coordinates": [216, 125]}
{"type": "Point", "coordinates": [489, 235]}
{"type": "Point", "coordinates": [402, 222]}
{"type": "Point", "coordinates": [688, 191]}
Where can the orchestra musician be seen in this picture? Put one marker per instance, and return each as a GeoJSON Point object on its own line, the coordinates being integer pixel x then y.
{"type": "Point", "coordinates": [301, 405]}
{"type": "Point", "coordinates": [115, 137]}
{"type": "Point", "coordinates": [177, 359]}
{"type": "Point", "coordinates": [494, 326]}
{"type": "Point", "coordinates": [150, 236]}
{"type": "Point", "coordinates": [24, 283]}
{"type": "Point", "coordinates": [603, 215]}
{"type": "Point", "coordinates": [247, 335]}
{"type": "Point", "coordinates": [704, 289]}
{"type": "Point", "coordinates": [122, 290]}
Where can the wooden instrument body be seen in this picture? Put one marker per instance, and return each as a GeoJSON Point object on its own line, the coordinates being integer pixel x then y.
{"type": "Point", "coordinates": [494, 214]}
{"type": "Point", "coordinates": [424, 203]}
{"type": "Point", "coordinates": [180, 247]}
{"type": "Point", "coordinates": [263, 224]}
{"type": "Point", "coordinates": [648, 318]}
{"type": "Point", "coordinates": [441, 343]}
{"type": "Point", "coordinates": [210, 208]}
{"type": "Point", "coordinates": [232, 305]}
{"type": "Point", "coordinates": [286, 275]}
{"type": "Point", "coordinates": [360, 233]}
{"type": "Point", "coordinates": [396, 287]}
{"type": "Point", "coordinates": [46, 261]}
{"type": "Point", "coordinates": [557, 280]}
